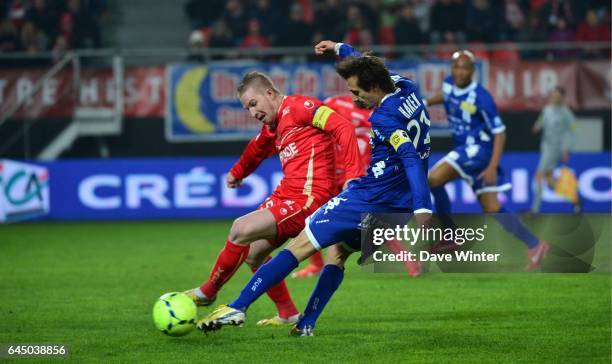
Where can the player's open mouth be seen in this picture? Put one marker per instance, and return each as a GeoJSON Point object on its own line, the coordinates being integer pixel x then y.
{"type": "Point", "coordinates": [261, 117]}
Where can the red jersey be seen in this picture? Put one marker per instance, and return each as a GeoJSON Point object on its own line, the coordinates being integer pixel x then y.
{"type": "Point", "coordinates": [344, 106]}
{"type": "Point", "coordinates": [305, 138]}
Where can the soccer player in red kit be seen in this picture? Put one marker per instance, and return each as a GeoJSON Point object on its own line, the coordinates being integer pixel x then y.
{"type": "Point", "coordinates": [344, 106]}
{"type": "Point", "coordinates": [304, 133]}
{"type": "Point", "coordinates": [358, 115]}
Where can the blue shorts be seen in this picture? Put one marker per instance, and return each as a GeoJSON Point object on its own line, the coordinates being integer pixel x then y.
{"type": "Point", "coordinates": [340, 220]}
{"type": "Point", "coordinates": [469, 161]}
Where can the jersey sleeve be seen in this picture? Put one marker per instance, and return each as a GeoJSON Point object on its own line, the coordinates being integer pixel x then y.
{"type": "Point", "coordinates": [258, 149]}
{"type": "Point", "coordinates": [416, 171]}
{"type": "Point", "coordinates": [488, 110]}
{"type": "Point", "coordinates": [343, 132]}
{"type": "Point", "coordinates": [447, 87]}
{"type": "Point", "coordinates": [344, 50]}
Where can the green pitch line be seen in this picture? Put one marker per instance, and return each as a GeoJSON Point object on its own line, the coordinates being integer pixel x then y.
{"type": "Point", "coordinates": [92, 286]}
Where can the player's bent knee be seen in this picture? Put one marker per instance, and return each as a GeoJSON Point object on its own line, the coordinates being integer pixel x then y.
{"type": "Point", "coordinates": [240, 232]}
{"type": "Point", "coordinates": [336, 255]}
{"type": "Point", "coordinates": [253, 260]}
{"type": "Point", "coordinates": [257, 255]}
{"type": "Point", "coordinates": [433, 181]}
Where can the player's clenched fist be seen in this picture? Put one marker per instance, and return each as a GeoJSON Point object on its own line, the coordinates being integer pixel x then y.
{"type": "Point", "coordinates": [324, 46]}
{"type": "Point", "coordinates": [233, 182]}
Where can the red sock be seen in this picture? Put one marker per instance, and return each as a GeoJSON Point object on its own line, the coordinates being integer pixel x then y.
{"type": "Point", "coordinates": [229, 260]}
{"type": "Point", "coordinates": [279, 294]}
{"type": "Point", "coordinates": [317, 260]}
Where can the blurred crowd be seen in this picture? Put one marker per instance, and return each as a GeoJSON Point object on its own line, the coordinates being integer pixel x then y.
{"type": "Point", "coordinates": [444, 24]}
{"type": "Point", "coordinates": [35, 26]}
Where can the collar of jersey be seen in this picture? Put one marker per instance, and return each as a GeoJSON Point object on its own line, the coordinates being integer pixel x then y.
{"type": "Point", "coordinates": [462, 91]}
{"type": "Point", "coordinates": [397, 89]}
{"type": "Point", "coordinates": [280, 109]}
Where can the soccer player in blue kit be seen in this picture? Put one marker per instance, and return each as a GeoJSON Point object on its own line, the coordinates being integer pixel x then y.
{"type": "Point", "coordinates": [396, 182]}
{"type": "Point", "coordinates": [479, 137]}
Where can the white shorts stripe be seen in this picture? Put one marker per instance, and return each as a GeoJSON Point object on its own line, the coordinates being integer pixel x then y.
{"type": "Point", "coordinates": [456, 167]}
{"type": "Point", "coordinates": [501, 188]}
{"type": "Point", "coordinates": [311, 236]}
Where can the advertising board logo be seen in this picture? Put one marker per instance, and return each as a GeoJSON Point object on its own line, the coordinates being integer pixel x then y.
{"type": "Point", "coordinates": [24, 190]}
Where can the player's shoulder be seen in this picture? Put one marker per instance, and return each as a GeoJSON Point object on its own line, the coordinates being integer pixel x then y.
{"type": "Point", "coordinates": [404, 83]}
{"type": "Point", "coordinates": [387, 113]}
{"type": "Point", "coordinates": [482, 93]}
{"type": "Point", "coordinates": [302, 101]}
{"type": "Point", "coordinates": [299, 107]}
{"type": "Point", "coordinates": [389, 103]}
{"type": "Point", "coordinates": [447, 84]}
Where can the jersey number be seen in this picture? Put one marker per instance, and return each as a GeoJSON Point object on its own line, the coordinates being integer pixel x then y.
{"type": "Point", "coordinates": [414, 124]}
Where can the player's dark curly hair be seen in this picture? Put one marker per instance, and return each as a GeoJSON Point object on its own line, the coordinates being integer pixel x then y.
{"type": "Point", "coordinates": [371, 72]}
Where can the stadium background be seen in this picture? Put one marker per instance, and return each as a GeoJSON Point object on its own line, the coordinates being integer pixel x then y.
{"type": "Point", "coordinates": [126, 110]}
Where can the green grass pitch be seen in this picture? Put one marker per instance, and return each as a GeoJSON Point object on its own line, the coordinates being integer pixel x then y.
{"type": "Point", "coordinates": [92, 286]}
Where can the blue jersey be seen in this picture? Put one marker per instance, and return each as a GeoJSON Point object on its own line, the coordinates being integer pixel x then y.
{"type": "Point", "coordinates": [473, 118]}
{"type": "Point", "coordinates": [472, 114]}
{"type": "Point", "coordinates": [400, 142]}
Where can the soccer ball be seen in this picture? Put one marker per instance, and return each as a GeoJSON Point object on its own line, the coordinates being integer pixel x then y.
{"type": "Point", "coordinates": [174, 314]}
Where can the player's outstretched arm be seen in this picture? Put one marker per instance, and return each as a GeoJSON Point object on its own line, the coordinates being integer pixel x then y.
{"type": "Point", "coordinates": [325, 46]}
{"type": "Point", "coordinates": [258, 149]}
{"type": "Point", "coordinates": [342, 50]}
{"type": "Point", "coordinates": [434, 100]}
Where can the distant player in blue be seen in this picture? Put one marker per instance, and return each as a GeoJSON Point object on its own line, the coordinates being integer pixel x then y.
{"type": "Point", "coordinates": [396, 181]}
{"type": "Point", "coordinates": [479, 137]}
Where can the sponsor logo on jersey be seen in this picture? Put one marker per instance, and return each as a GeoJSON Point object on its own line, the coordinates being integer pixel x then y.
{"type": "Point", "coordinates": [288, 152]}
{"type": "Point", "coordinates": [285, 111]}
{"type": "Point", "coordinates": [467, 107]}
{"type": "Point", "coordinates": [308, 104]}
{"type": "Point", "coordinates": [378, 169]}
{"type": "Point", "coordinates": [332, 204]}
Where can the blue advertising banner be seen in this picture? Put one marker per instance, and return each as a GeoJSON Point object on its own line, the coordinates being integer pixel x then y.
{"type": "Point", "coordinates": [120, 189]}
{"type": "Point", "coordinates": [202, 102]}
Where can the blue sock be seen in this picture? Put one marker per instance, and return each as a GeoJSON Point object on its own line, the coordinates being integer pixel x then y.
{"type": "Point", "coordinates": [513, 225]}
{"type": "Point", "coordinates": [443, 207]}
{"type": "Point", "coordinates": [266, 276]}
{"type": "Point", "coordinates": [329, 281]}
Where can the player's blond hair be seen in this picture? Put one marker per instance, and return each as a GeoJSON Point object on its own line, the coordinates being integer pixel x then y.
{"type": "Point", "coordinates": [257, 80]}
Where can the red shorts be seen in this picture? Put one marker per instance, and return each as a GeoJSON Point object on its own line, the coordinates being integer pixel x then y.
{"type": "Point", "coordinates": [290, 215]}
